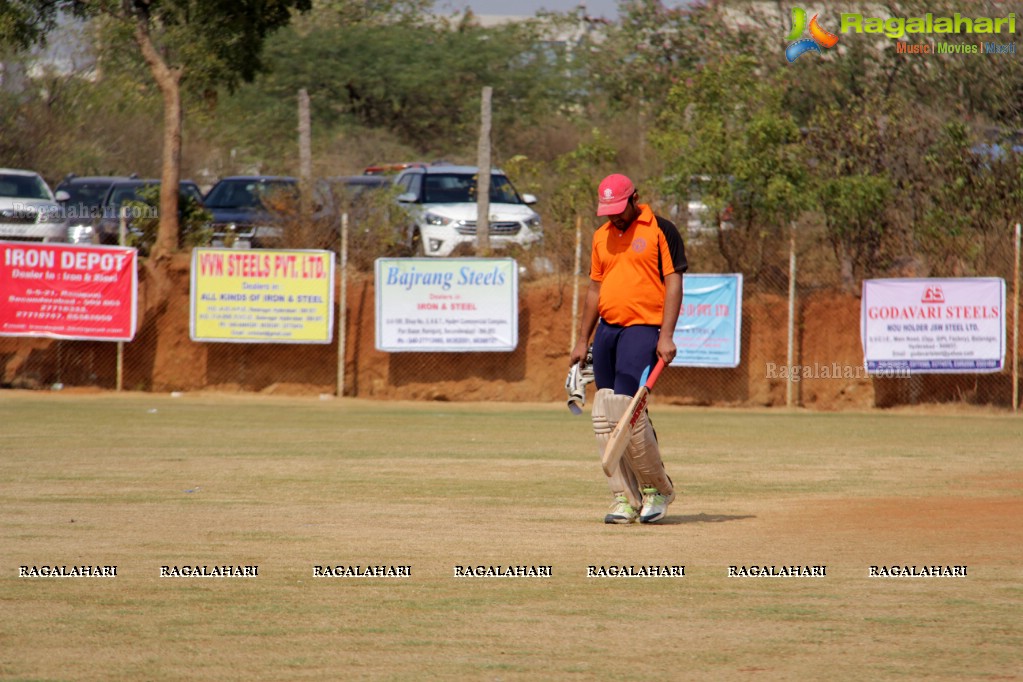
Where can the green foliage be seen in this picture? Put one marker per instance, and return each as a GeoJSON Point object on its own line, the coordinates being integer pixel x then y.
{"type": "Point", "coordinates": [852, 206]}
{"type": "Point", "coordinates": [194, 220]}
{"type": "Point", "coordinates": [62, 124]}
{"type": "Point", "coordinates": [421, 81]}
{"type": "Point", "coordinates": [869, 181]}
{"type": "Point", "coordinates": [976, 198]}
{"type": "Point", "coordinates": [634, 62]}
{"type": "Point", "coordinates": [25, 23]}
{"type": "Point", "coordinates": [576, 175]}
{"type": "Point", "coordinates": [725, 127]}
{"type": "Point", "coordinates": [569, 185]}
{"type": "Point", "coordinates": [216, 43]}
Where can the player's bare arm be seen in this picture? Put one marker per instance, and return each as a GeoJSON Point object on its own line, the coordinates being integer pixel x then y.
{"type": "Point", "coordinates": [666, 349]}
{"type": "Point", "coordinates": [587, 324]}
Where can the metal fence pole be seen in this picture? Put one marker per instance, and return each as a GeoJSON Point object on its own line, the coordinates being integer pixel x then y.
{"type": "Point", "coordinates": [576, 272]}
{"type": "Point", "coordinates": [342, 323]}
{"type": "Point", "coordinates": [791, 354]}
{"type": "Point", "coordinates": [122, 233]}
{"type": "Point", "coordinates": [483, 164]}
{"type": "Point", "coordinates": [1015, 326]}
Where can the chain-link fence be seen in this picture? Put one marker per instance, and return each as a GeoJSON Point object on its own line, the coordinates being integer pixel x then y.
{"type": "Point", "coordinates": [816, 360]}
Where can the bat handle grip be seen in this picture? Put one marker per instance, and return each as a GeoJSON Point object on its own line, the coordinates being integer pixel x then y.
{"type": "Point", "coordinates": [654, 373]}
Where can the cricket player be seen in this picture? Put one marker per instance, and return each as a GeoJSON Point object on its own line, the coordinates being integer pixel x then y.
{"type": "Point", "coordinates": [631, 307]}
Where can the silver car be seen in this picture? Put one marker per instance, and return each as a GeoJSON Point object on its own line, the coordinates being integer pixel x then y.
{"type": "Point", "coordinates": [28, 210]}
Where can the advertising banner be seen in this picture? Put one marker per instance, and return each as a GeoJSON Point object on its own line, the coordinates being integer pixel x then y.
{"type": "Point", "coordinates": [708, 333]}
{"type": "Point", "coordinates": [447, 304]}
{"type": "Point", "coordinates": [933, 325]}
{"type": "Point", "coordinates": [262, 296]}
{"type": "Point", "coordinates": [68, 292]}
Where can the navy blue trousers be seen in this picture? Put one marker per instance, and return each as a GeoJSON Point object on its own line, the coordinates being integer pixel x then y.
{"type": "Point", "coordinates": [623, 355]}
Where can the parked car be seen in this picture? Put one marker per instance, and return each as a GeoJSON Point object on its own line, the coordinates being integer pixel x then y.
{"type": "Point", "coordinates": [120, 192]}
{"type": "Point", "coordinates": [243, 209]}
{"type": "Point", "coordinates": [392, 168]}
{"type": "Point", "coordinates": [441, 200]}
{"type": "Point", "coordinates": [28, 209]}
{"type": "Point", "coordinates": [81, 199]}
{"type": "Point", "coordinates": [699, 219]}
{"type": "Point", "coordinates": [362, 183]}
{"type": "Point", "coordinates": [361, 196]}
{"type": "Point", "coordinates": [369, 202]}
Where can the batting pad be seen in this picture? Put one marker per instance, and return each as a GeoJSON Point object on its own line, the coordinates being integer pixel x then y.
{"type": "Point", "coordinates": [607, 410]}
{"type": "Point", "coordinates": [644, 455]}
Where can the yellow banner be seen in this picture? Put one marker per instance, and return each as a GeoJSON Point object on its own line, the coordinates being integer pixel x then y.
{"type": "Point", "coordinates": [262, 296]}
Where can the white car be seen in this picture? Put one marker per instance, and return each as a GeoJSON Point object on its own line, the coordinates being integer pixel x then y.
{"type": "Point", "coordinates": [441, 201]}
{"type": "Point", "coordinates": [699, 219]}
{"type": "Point", "coordinates": [28, 210]}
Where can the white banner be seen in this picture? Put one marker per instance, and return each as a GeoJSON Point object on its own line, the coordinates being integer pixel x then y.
{"type": "Point", "coordinates": [933, 325]}
{"type": "Point", "coordinates": [447, 304]}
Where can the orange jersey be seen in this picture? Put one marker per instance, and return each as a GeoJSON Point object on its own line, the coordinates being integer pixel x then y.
{"type": "Point", "coordinates": [631, 267]}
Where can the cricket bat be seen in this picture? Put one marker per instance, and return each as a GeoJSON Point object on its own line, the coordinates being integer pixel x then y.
{"type": "Point", "coordinates": [623, 431]}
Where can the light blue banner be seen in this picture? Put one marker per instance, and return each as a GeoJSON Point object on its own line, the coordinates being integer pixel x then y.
{"type": "Point", "coordinates": [708, 333]}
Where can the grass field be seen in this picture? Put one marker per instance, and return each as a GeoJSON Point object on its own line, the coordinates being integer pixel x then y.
{"type": "Point", "coordinates": [142, 481]}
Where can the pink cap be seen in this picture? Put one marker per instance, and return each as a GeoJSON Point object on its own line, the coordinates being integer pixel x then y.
{"type": "Point", "coordinates": [613, 194]}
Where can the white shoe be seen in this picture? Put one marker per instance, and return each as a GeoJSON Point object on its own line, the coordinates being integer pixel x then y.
{"type": "Point", "coordinates": [655, 505]}
{"type": "Point", "coordinates": [621, 511]}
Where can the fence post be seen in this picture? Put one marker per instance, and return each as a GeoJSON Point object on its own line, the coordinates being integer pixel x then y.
{"type": "Point", "coordinates": [305, 156]}
{"type": "Point", "coordinates": [1015, 326]}
{"type": "Point", "coordinates": [342, 316]}
{"type": "Point", "coordinates": [483, 176]}
{"type": "Point", "coordinates": [791, 354]}
{"type": "Point", "coordinates": [576, 272]}
{"type": "Point", "coordinates": [122, 234]}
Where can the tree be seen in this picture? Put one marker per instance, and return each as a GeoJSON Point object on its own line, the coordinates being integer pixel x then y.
{"type": "Point", "coordinates": [974, 198]}
{"type": "Point", "coordinates": [632, 64]}
{"type": "Point", "coordinates": [725, 127]}
{"type": "Point", "coordinates": [24, 23]}
{"type": "Point", "coordinates": [184, 43]}
{"type": "Point", "coordinates": [420, 79]}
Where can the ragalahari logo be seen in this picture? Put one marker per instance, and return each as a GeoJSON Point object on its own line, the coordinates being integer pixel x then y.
{"type": "Point", "coordinates": [818, 36]}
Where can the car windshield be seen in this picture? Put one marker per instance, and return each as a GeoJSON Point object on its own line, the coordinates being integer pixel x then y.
{"type": "Point", "coordinates": [86, 193]}
{"type": "Point", "coordinates": [460, 188]}
{"type": "Point", "coordinates": [360, 184]}
{"type": "Point", "coordinates": [124, 193]}
{"type": "Point", "coordinates": [23, 187]}
{"type": "Point", "coordinates": [245, 193]}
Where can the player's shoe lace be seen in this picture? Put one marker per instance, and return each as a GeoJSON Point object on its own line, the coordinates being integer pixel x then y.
{"type": "Point", "coordinates": [655, 506]}
{"type": "Point", "coordinates": [621, 511]}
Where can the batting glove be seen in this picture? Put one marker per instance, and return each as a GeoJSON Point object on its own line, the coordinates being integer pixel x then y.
{"type": "Point", "coordinates": [575, 383]}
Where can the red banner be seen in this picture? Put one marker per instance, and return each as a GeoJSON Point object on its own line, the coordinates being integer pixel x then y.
{"type": "Point", "coordinates": [68, 292]}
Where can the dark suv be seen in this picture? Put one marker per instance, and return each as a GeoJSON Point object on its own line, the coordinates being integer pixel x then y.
{"type": "Point", "coordinates": [107, 228]}
{"type": "Point", "coordinates": [81, 200]}
{"type": "Point", "coordinates": [243, 209]}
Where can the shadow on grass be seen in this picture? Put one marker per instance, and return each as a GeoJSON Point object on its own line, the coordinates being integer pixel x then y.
{"type": "Point", "coordinates": [702, 518]}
